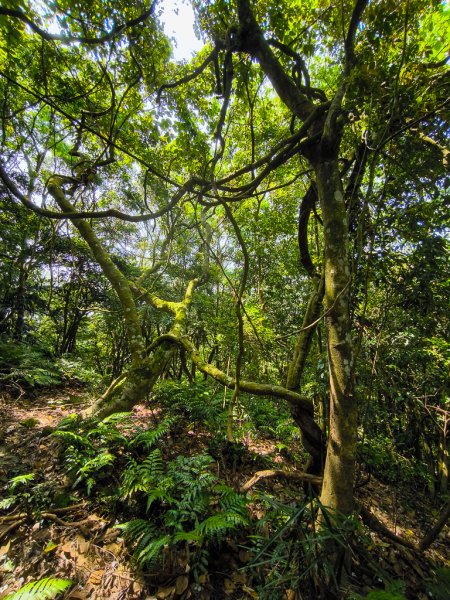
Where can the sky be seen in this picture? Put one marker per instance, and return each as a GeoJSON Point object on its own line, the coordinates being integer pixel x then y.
{"type": "Point", "coordinates": [178, 19]}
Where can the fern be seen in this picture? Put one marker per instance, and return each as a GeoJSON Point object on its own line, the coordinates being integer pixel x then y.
{"type": "Point", "coordinates": [70, 422]}
{"type": "Point", "coordinates": [217, 525]}
{"type": "Point", "coordinates": [231, 501]}
{"type": "Point", "coordinates": [91, 467]}
{"type": "Point", "coordinates": [98, 462]}
{"type": "Point", "coordinates": [71, 438]}
{"type": "Point", "coordinates": [7, 502]}
{"type": "Point", "coordinates": [147, 439]}
{"type": "Point", "coordinates": [150, 552]}
{"type": "Point", "coordinates": [135, 529]}
{"type": "Point", "coordinates": [192, 507]}
{"type": "Point", "coordinates": [44, 589]}
{"type": "Point", "coordinates": [142, 477]}
{"type": "Point", "coordinates": [145, 536]}
{"type": "Point", "coordinates": [15, 482]}
{"type": "Point", "coordinates": [116, 418]}
{"type": "Point", "coordinates": [196, 400]}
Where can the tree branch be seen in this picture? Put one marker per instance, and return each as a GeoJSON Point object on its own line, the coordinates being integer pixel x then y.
{"type": "Point", "coordinates": [251, 40]}
{"type": "Point", "coordinates": [86, 214]}
{"type": "Point", "coordinates": [198, 71]}
{"type": "Point", "coordinates": [70, 39]}
{"type": "Point", "coordinates": [257, 389]}
{"type": "Point", "coordinates": [269, 473]}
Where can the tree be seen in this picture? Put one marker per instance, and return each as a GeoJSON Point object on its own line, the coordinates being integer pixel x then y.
{"type": "Point", "coordinates": [323, 103]}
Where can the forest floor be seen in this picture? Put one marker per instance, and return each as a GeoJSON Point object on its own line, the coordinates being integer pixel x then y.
{"type": "Point", "coordinates": [80, 541]}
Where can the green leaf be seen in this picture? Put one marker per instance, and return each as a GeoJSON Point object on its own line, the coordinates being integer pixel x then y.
{"type": "Point", "coordinates": [43, 589]}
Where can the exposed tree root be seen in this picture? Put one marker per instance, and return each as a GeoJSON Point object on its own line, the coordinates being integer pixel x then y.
{"type": "Point", "coordinates": [18, 519]}
{"type": "Point", "coordinates": [376, 525]}
{"type": "Point", "coordinates": [369, 519]}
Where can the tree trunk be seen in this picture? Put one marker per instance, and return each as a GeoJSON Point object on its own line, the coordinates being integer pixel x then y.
{"type": "Point", "coordinates": [311, 433]}
{"type": "Point", "coordinates": [135, 386]}
{"type": "Point", "coordinates": [337, 490]}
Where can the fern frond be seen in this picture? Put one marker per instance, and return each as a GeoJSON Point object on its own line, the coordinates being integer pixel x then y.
{"type": "Point", "coordinates": [159, 493]}
{"type": "Point", "coordinates": [147, 439]}
{"type": "Point", "coordinates": [133, 530]}
{"type": "Point", "coordinates": [219, 524]}
{"type": "Point", "coordinates": [20, 480]}
{"type": "Point", "coordinates": [130, 479]}
{"type": "Point", "coordinates": [151, 550]}
{"type": "Point", "coordinates": [116, 418]}
{"type": "Point", "coordinates": [44, 589]}
{"type": "Point", "coordinates": [147, 539]}
{"type": "Point", "coordinates": [71, 438]}
{"type": "Point", "coordinates": [92, 466]}
{"type": "Point", "coordinates": [144, 476]}
{"type": "Point", "coordinates": [69, 422]}
{"type": "Point", "coordinates": [7, 502]}
{"type": "Point", "coordinates": [188, 536]}
{"type": "Point", "coordinates": [231, 501]}
{"type": "Point", "coordinates": [152, 466]}
{"type": "Point", "coordinates": [98, 462]}
{"type": "Point", "coordinates": [107, 434]}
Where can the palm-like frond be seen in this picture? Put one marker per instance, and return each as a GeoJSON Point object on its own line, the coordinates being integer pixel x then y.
{"type": "Point", "coordinates": [43, 589]}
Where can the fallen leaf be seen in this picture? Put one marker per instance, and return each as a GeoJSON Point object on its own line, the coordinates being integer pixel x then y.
{"type": "Point", "coordinates": [96, 577]}
{"type": "Point", "coordinates": [67, 548]}
{"type": "Point", "coordinates": [165, 592]}
{"type": "Point", "coordinates": [245, 556]}
{"type": "Point", "coordinates": [113, 548]}
{"type": "Point", "coordinates": [50, 547]}
{"type": "Point", "coordinates": [137, 587]}
{"type": "Point", "coordinates": [250, 591]}
{"type": "Point", "coordinates": [77, 595]}
{"type": "Point", "coordinates": [181, 584]}
{"type": "Point", "coordinates": [238, 577]}
{"type": "Point", "coordinates": [5, 549]}
{"type": "Point", "coordinates": [83, 545]}
{"type": "Point", "coordinates": [229, 586]}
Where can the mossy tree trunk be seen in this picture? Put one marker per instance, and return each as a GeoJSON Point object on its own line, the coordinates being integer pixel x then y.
{"type": "Point", "coordinates": [337, 490]}
{"type": "Point", "coordinates": [144, 372]}
{"type": "Point", "coordinates": [322, 123]}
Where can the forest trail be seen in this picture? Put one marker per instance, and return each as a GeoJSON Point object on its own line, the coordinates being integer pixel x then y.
{"type": "Point", "coordinates": [58, 531]}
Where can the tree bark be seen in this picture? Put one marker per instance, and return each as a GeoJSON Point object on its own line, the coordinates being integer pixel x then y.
{"type": "Point", "coordinates": [337, 490]}
{"type": "Point", "coordinates": [135, 386]}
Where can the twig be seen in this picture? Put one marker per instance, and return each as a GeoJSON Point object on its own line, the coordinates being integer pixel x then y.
{"type": "Point", "coordinates": [11, 528]}
{"type": "Point", "coordinates": [56, 519]}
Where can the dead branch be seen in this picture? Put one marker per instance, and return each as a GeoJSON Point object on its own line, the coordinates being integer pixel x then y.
{"type": "Point", "coordinates": [269, 473]}
{"type": "Point", "coordinates": [56, 519]}
{"type": "Point", "coordinates": [436, 530]}
{"type": "Point", "coordinates": [11, 528]}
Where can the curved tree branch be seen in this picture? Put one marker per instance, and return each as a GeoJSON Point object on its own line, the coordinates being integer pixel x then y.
{"type": "Point", "coordinates": [212, 56]}
{"type": "Point", "coordinates": [78, 123]}
{"type": "Point", "coordinates": [251, 387]}
{"type": "Point", "coordinates": [86, 214]}
{"type": "Point", "coordinates": [71, 39]}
